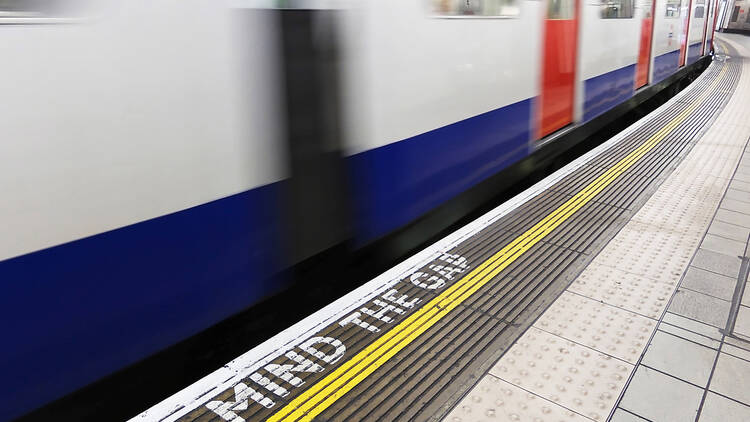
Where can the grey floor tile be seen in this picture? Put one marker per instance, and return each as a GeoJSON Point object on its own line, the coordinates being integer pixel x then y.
{"type": "Point", "coordinates": [733, 217]}
{"type": "Point", "coordinates": [737, 195]}
{"type": "Point", "coordinates": [720, 409]}
{"type": "Point", "coordinates": [737, 206]}
{"type": "Point", "coordinates": [689, 335]}
{"type": "Point", "coordinates": [735, 351]}
{"type": "Point", "coordinates": [742, 176]}
{"type": "Point", "coordinates": [624, 416]}
{"type": "Point", "coordinates": [723, 245]}
{"type": "Point", "coordinates": [746, 296]}
{"type": "Point", "coordinates": [680, 358]}
{"type": "Point", "coordinates": [728, 230]}
{"type": "Point", "coordinates": [732, 378]}
{"type": "Point", "coordinates": [738, 343]}
{"type": "Point", "coordinates": [659, 397]}
{"type": "Point", "coordinates": [742, 324]}
{"type": "Point", "coordinates": [709, 283]}
{"type": "Point", "coordinates": [739, 185]}
{"type": "Point", "coordinates": [719, 263]}
{"type": "Point", "coordinates": [695, 326]}
{"type": "Point", "coordinates": [701, 307]}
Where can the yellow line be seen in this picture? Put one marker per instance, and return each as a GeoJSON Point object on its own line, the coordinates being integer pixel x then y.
{"type": "Point", "coordinates": [326, 391]}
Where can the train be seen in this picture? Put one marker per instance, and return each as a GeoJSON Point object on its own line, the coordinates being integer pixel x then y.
{"type": "Point", "coordinates": [164, 160]}
{"type": "Point", "coordinates": [733, 16]}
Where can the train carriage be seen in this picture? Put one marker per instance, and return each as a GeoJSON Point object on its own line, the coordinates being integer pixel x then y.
{"type": "Point", "coordinates": [146, 160]}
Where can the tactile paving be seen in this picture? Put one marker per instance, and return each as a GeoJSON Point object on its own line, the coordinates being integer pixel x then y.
{"type": "Point", "coordinates": [493, 399]}
{"type": "Point", "coordinates": [649, 251]}
{"type": "Point", "coordinates": [574, 376]}
{"type": "Point", "coordinates": [719, 155]}
{"type": "Point", "coordinates": [642, 295]}
{"type": "Point", "coordinates": [602, 327]}
{"type": "Point", "coordinates": [685, 204]}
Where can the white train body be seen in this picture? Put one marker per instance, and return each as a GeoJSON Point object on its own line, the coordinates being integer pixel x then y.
{"type": "Point", "coordinates": [118, 118]}
{"type": "Point", "coordinates": [734, 15]}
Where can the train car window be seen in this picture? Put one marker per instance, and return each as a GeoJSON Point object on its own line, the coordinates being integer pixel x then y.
{"type": "Point", "coordinates": [560, 9]}
{"type": "Point", "coordinates": [673, 8]}
{"type": "Point", "coordinates": [698, 12]}
{"type": "Point", "coordinates": [616, 9]}
{"type": "Point", "coordinates": [475, 8]}
{"type": "Point", "coordinates": [735, 13]}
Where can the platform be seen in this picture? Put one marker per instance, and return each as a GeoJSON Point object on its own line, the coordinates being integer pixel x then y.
{"type": "Point", "coordinates": [613, 289]}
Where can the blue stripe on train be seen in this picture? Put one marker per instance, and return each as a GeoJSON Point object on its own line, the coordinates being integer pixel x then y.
{"type": "Point", "coordinates": [76, 312]}
{"type": "Point", "coordinates": [397, 183]}
{"type": "Point", "coordinates": [694, 52]}
{"type": "Point", "coordinates": [603, 92]}
{"type": "Point", "coordinates": [665, 65]}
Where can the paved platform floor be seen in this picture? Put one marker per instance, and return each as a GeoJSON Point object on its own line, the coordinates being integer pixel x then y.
{"type": "Point", "coordinates": [657, 327]}
{"type": "Point", "coordinates": [697, 365]}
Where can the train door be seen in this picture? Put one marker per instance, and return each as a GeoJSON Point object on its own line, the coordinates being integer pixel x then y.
{"type": "Point", "coordinates": [721, 10]}
{"type": "Point", "coordinates": [644, 51]}
{"type": "Point", "coordinates": [716, 23]}
{"type": "Point", "coordinates": [735, 14]}
{"type": "Point", "coordinates": [706, 26]}
{"type": "Point", "coordinates": [685, 34]}
{"type": "Point", "coordinates": [558, 65]}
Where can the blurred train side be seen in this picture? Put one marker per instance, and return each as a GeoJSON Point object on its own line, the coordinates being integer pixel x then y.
{"type": "Point", "coordinates": [735, 16]}
{"type": "Point", "coordinates": [468, 95]}
{"type": "Point", "coordinates": [146, 164]}
{"type": "Point", "coordinates": [141, 160]}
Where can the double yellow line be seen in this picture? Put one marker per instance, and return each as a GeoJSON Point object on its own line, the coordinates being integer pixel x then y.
{"type": "Point", "coordinates": [326, 391]}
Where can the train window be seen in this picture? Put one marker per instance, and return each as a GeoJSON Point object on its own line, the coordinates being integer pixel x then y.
{"type": "Point", "coordinates": [560, 9]}
{"type": "Point", "coordinates": [673, 8]}
{"type": "Point", "coordinates": [698, 12]}
{"type": "Point", "coordinates": [735, 13]}
{"type": "Point", "coordinates": [616, 9]}
{"type": "Point", "coordinates": [475, 8]}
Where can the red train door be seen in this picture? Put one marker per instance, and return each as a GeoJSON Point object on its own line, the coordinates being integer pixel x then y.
{"type": "Point", "coordinates": [708, 38]}
{"type": "Point", "coordinates": [558, 65]}
{"type": "Point", "coordinates": [685, 33]}
{"type": "Point", "coordinates": [644, 51]}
